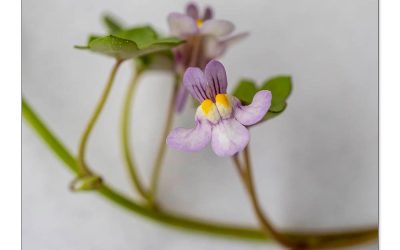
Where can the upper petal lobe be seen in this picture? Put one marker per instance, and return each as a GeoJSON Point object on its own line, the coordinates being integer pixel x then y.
{"type": "Point", "coordinates": [181, 25]}
{"type": "Point", "coordinates": [216, 77]}
{"type": "Point", "coordinates": [196, 83]}
{"type": "Point", "coordinates": [192, 10]}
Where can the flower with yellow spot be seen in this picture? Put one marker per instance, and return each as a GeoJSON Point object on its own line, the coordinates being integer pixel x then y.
{"type": "Point", "coordinates": [220, 118]}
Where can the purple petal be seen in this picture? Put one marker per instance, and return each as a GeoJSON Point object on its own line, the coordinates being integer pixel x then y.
{"type": "Point", "coordinates": [181, 25]}
{"type": "Point", "coordinates": [235, 38]}
{"type": "Point", "coordinates": [181, 99]}
{"type": "Point", "coordinates": [212, 47]}
{"type": "Point", "coordinates": [208, 14]}
{"type": "Point", "coordinates": [229, 137]}
{"type": "Point", "coordinates": [190, 140]}
{"type": "Point", "coordinates": [217, 27]}
{"type": "Point", "coordinates": [224, 44]}
{"type": "Point", "coordinates": [216, 77]}
{"type": "Point", "coordinates": [192, 11]}
{"type": "Point", "coordinates": [196, 83]}
{"type": "Point", "coordinates": [253, 113]}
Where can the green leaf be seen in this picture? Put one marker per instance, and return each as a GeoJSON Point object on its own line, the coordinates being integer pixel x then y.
{"type": "Point", "coordinates": [161, 45]}
{"type": "Point", "coordinates": [280, 86]}
{"type": "Point", "coordinates": [92, 37]}
{"type": "Point", "coordinates": [245, 91]}
{"type": "Point", "coordinates": [142, 36]}
{"type": "Point", "coordinates": [112, 24]}
{"type": "Point", "coordinates": [115, 47]}
{"type": "Point", "coordinates": [271, 114]}
{"type": "Point", "coordinates": [162, 60]}
{"type": "Point", "coordinates": [131, 43]}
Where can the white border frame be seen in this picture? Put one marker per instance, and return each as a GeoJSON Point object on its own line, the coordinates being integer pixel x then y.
{"type": "Point", "coordinates": [389, 177]}
{"type": "Point", "coordinates": [10, 129]}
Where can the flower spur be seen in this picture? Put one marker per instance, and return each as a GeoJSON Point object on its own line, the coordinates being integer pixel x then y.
{"type": "Point", "coordinates": [220, 118]}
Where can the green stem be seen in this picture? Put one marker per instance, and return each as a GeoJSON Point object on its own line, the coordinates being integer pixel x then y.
{"type": "Point", "coordinates": [162, 147]}
{"type": "Point", "coordinates": [83, 169]}
{"type": "Point", "coordinates": [289, 241]}
{"type": "Point", "coordinates": [125, 135]}
{"type": "Point", "coordinates": [175, 220]}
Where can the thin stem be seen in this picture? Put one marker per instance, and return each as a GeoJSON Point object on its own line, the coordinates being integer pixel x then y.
{"type": "Point", "coordinates": [264, 222]}
{"type": "Point", "coordinates": [194, 57]}
{"type": "Point", "coordinates": [179, 221]}
{"type": "Point", "coordinates": [125, 135]}
{"type": "Point", "coordinates": [292, 241]}
{"type": "Point", "coordinates": [162, 147]}
{"type": "Point", "coordinates": [83, 170]}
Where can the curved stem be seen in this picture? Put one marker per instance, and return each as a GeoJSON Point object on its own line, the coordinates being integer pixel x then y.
{"type": "Point", "coordinates": [178, 221]}
{"type": "Point", "coordinates": [162, 147]}
{"type": "Point", "coordinates": [290, 241]}
{"type": "Point", "coordinates": [246, 176]}
{"type": "Point", "coordinates": [83, 170]}
{"type": "Point", "coordinates": [125, 135]}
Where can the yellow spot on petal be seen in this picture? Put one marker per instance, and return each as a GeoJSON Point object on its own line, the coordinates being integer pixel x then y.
{"type": "Point", "coordinates": [199, 22]}
{"type": "Point", "coordinates": [206, 106]}
{"type": "Point", "coordinates": [222, 99]}
{"type": "Point", "coordinates": [224, 106]}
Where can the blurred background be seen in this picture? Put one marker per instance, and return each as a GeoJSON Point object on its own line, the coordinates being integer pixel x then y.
{"type": "Point", "coordinates": [316, 165]}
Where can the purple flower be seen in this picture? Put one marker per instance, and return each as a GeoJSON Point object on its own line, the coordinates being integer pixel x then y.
{"type": "Point", "coordinates": [184, 25]}
{"type": "Point", "coordinates": [220, 118]}
{"type": "Point", "coordinates": [206, 39]}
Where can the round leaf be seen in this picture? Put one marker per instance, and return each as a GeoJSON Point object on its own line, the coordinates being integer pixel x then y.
{"type": "Point", "coordinates": [280, 87]}
{"type": "Point", "coordinates": [245, 91]}
{"type": "Point", "coordinates": [115, 47]}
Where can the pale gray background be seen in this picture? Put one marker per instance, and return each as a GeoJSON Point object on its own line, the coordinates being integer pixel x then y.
{"type": "Point", "coordinates": [316, 165]}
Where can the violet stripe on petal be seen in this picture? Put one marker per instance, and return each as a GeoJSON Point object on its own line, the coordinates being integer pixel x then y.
{"type": "Point", "coordinates": [216, 77]}
{"type": "Point", "coordinates": [196, 83]}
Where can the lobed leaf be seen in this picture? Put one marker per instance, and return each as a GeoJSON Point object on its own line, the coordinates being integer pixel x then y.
{"type": "Point", "coordinates": [245, 91]}
{"type": "Point", "coordinates": [281, 87]}
{"type": "Point", "coordinates": [115, 47]}
{"type": "Point", "coordinates": [142, 36]}
{"type": "Point", "coordinates": [112, 24]}
{"type": "Point", "coordinates": [130, 43]}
